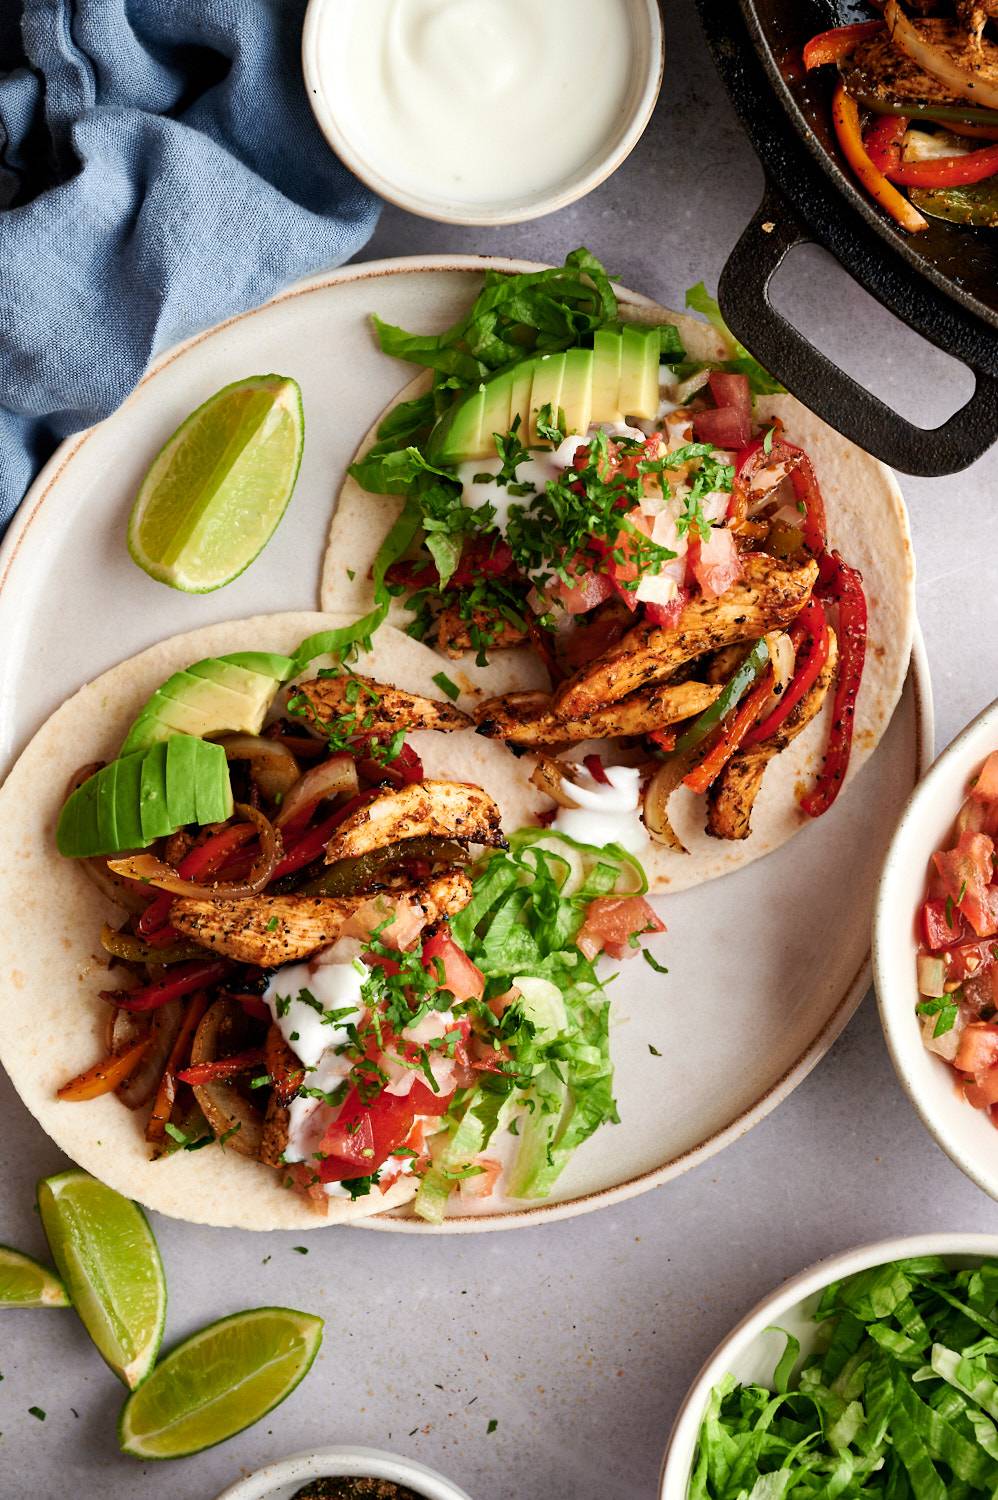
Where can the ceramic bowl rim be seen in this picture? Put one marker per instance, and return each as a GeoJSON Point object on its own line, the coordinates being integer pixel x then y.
{"type": "Point", "coordinates": [343, 1461]}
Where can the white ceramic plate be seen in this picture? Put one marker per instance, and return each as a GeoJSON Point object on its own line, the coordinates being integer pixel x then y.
{"type": "Point", "coordinates": [751, 1350]}
{"type": "Point", "coordinates": [966, 1134]}
{"type": "Point", "coordinates": [756, 992]}
{"type": "Point", "coordinates": [282, 1480]}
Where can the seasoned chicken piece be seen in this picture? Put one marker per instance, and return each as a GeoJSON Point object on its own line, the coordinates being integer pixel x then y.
{"type": "Point", "coordinates": [275, 1132]}
{"type": "Point", "coordinates": [731, 798]}
{"type": "Point", "coordinates": [975, 15]}
{"type": "Point", "coordinates": [374, 708]}
{"type": "Point", "coordinates": [454, 632]}
{"type": "Point", "coordinates": [767, 596]}
{"type": "Point", "coordinates": [272, 930]}
{"type": "Point", "coordinates": [877, 69]}
{"type": "Point", "coordinates": [424, 809]}
{"type": "Point", "coordinates": [723, 664]}
{"type": "Point", "coordinates": [528, 718]}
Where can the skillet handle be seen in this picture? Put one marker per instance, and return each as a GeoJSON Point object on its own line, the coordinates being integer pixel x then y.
{"type": "Point", "coordinates": [743, 293]}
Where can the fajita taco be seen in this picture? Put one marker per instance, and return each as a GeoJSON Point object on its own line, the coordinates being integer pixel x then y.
{"type": "Point", "coordinates": [282, 946]}
{"type": "Point", "coordinates": [687, 595]}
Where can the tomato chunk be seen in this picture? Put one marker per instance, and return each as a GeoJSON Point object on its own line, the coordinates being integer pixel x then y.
{"type": "Point", "coordinates": [724, 426]}
{"type": "Point", "coordinates": [939, 932]}
{"type": "Point", "coordinates": [716, 563]}
{"type": "Point", "coordinates": [966, 873]}
{"type": "Point", "coordinates": [611, 922]}
{"type": "Point", "coordinates": [460, 976]}
{"type": "Point", "coordinates": [985, 788]}
{"type": "Point", "coordinates": [978, 1049]}
{"type": "Point", "coordinates": [383, 1124]}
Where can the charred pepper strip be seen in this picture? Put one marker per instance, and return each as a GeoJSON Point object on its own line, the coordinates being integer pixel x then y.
{"type": "Point", "coordinates": [729, 738]}
{"type": "Point", "coordinates": [735, 689]}
{"type": "Point", "coordinates": [843, 585]}
{"type": "Point", "coordinates": [222, 1068]}
{"type": "Point", "coordinates": [946, 171]}
{"type": "Point", "coordinates": [166, 1093]}
{"type": "Point", "coordinates": [104, 1076]}
{"type": "Point", "coordinates": [845, 118]}
{"type": "Point", "coordinates": [349, 875]}
{"type": "Point", "coordinates": [810, 625]}
{"type": "Point", "coordinates": [125, 945]}
{"type": "Point", "coordinates": [831, 46]}
{"type": "Point", "coordinates": [184, 981]}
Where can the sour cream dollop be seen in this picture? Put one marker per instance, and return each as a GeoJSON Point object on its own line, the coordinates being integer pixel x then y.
{"type": "Point", "coordinates": [606, 813]}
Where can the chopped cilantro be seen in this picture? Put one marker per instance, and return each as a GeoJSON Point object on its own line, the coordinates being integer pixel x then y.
{"type": "Point", "coordinates": [653, 962]}
{"type": "Point", "coordinates": [36, 1411]}
{"type": "Point", "coordinates": [445, 685]}
{"type": "Point", "coordinates": [300, 1249]}
{"type": "Point", "coordinates": [493, 1424]}
{"type": "Point", "coordinates": [654, 1050]}
{"type": "Point", "coordinates": [272, 924]}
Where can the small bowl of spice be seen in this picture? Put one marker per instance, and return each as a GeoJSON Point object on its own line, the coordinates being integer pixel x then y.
{"type": "Point", "coordinates": [482, 111]}
{"type": "Point", "coordinates": [344, 1474]}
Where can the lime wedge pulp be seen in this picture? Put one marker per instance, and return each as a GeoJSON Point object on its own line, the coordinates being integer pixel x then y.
{"type": "Point", "coordinates": [219, 1381]}
{"type": "Point", "coordinates": [219, 486]}
{"type": "Point", "coordinates": [107, 1256]}
{"type": "Point", "coordinates": [25, 1282]}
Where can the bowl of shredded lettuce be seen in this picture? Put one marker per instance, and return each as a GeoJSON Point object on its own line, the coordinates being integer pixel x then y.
{"type": "Point", "coordinates": [873, 1373]}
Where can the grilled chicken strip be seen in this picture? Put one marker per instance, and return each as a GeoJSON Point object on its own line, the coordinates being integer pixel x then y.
{"type": "Point", "coordinates": [424, 809]}
{"type": "Point", "coordinates": [731, 798]}
{"type": "Point", "coordinates": [528, 718]}
{"type": "Point", "coordinates": [767, 597]}
{"type": "Point", "coordinates": [877, 69]}
{"type": "Point", "coordinates": [454, 632]}
{"type": "Point", "coordinates": [375, 708]}
{"type": "Point", "coordinates": [272, 930]}
{"type": "Point", "coordinates": [276, 1127]}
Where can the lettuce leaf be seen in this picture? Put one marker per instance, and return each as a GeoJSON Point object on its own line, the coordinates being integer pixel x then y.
{"type": "Point", "coordinates": [740, 362]}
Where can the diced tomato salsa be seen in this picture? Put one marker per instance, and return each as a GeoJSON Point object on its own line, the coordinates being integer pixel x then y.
{"type": "Point", "coordinates": [958, 946]}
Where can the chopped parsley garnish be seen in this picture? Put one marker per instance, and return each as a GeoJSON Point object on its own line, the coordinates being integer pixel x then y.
{"type": "Point", "coordinates": [445, 685]}
{"type": "Point", "coordinates": [945, 1007]}
{"type": "Point", "coordinates": [493, 1424]}
{"type": "Point", "coordinates": [272, 924]}
{"type": "Point", "coordinates": [653, 962]}
{"type": "Point", "coordinates": [37, 1413]}
{"type": "Point", "coordinates": [261, 1081]}
{"type": "Point", "coordinates": [187, 1142]}
{"type": "Point", "coordinates": [654, 1050]}
{"type": "Point", "coordinates": [300, 1249]}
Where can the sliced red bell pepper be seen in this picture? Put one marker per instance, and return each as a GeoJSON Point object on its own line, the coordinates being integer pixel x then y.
{"type": "Point", "coordinates": [795, 463]}
{"type": "Point", "coordinates": [883, 142]}
{"type": "Point", "coordinates": [831, 46]}
{"type": "Point", "coordinates": [252, 1005]}
{"type": "Point", "coordinates": [222, 1067]}
{"type": "Point", "coordinates": [594, 765]}
{"type": "Point", "coordinates": [183, 979]}
{"type": "Point", "coordinates": [842, 585]}
{"type": "Point", "coordinates": [946, 171]}
{"type": "Point", "coordinates": [197, 864]}
{"type": "Point", "coordinates": [845, 119]}
{"type": "Point", "coordinates": [313, 842]}
{"type": "Point", "coordinates": [730, 736]}
{"type": "Point", "coordinates": [812, 627]}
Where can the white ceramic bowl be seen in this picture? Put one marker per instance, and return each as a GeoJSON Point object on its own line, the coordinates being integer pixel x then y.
{"type": "Point", "coordinates": [280, 1481]}
{"type": "Point", "coordinates": [325, 25]}
{"type": "Point", "coordinates": [966, 1134]}
{"type": "Point", "coordinates": [751, 1351]}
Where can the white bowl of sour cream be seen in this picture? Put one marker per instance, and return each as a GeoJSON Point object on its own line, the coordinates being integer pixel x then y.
{"type": "Point", "coordinates": [482, 111]}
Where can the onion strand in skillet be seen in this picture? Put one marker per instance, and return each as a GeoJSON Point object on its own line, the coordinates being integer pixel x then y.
{"type": "Point", "coordinates": [153, 871]}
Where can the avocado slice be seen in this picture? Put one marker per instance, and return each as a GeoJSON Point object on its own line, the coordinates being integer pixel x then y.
{"type": "Point", "coordinates": [549, 373]}
{"type": "Point", "coordinates": [607, 348]}
{"type": "Point", "coordinates": [577, 390]}
{"type": "Point", "coordinates": [638, 392]}
{"type": "Point", "coordinates": [181, 760]}
{"type": "Point", "coordinates": [128, 803]}
{"type": "Point", "coordinates": [218, 695]}
{"type": "Point", "coordinates": [154, 812]}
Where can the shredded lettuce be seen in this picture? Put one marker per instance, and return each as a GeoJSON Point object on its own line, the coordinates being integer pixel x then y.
{"type": "Point", "coordinates": [900, 1400]}
{"type": "Point", "coordinates": [525, 913]}
{"type": "Point", "coordinates": [741, 362]}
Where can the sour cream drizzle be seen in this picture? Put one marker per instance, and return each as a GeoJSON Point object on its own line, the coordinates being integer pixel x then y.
{"type": "Point", "coordinates": [606, 814]}
{"type": "Point", "coordinates": [479, 100]}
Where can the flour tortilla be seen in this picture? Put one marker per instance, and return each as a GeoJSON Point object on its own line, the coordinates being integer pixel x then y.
{"type": "Point", "coordinates": [867, 522]}
{"type": "Point", "coordinates": [52, 1025]}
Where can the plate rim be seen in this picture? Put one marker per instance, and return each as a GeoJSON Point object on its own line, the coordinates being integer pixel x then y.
{"type": "Point", "coordinates": [32, 508]}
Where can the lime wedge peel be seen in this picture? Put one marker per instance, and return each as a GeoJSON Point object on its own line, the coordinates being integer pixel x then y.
{"type": "Point", "coordinates": [218, 1382]}
{"type": "Point", "coordinates": [25, 1282]}
{"type": "Point", "coordinates": [106, 1254]}
{"type": "Point", "coordinates": [217, 489]}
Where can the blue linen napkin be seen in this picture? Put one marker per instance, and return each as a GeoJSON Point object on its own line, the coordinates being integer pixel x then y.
{"type": "Point", "coordinates": [160, 169]}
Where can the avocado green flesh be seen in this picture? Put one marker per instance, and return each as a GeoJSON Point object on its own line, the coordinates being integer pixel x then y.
{"type": "Point", "coordinates": [618, 377]}
{"type": "Point", "coordinates": [215, 696]}
{"type": "Point", "coordinates": [128, 803]}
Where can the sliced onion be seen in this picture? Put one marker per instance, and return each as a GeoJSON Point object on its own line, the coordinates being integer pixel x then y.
{"type": "Point", "coordinates": [549, 777]}
{"type": "Point", "coordinates": [153, 871]}
{"type": "Point", "coordinates": [789, 515]}
{"type": "Point", "coordinates": [656, 808]}
{"type": "Point", "coordinates": [139, 1087]}
{"type": "Point", "coordinates": [764, 483]}
{"type": "Point", "coordinates": [224, 1107]}
{"type": "Point", "coordinates": [336, 775]}
{"type": "Point", "coordinates": [689, 387]}
{"type": "Point", "coordinates": [965, 83]}
{"type": "Point", "coordinates": [125, 1028]}
{"type": "Point", "coordinates": [272, 766]}
{"type": "Point", "coordinates": [113, 886]}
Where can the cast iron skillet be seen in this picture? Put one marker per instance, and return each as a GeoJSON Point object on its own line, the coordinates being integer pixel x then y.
{"type": "Point", "coordinates": [942, 283]}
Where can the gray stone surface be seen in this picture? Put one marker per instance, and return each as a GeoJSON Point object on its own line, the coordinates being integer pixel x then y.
{"type": "Point", "coordinates": [578, 1338]}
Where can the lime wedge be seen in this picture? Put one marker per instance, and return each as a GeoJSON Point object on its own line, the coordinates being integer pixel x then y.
{"type": "Point", "coordinates": [106, 1255]}
{"type": "Point", "coordinates": [219, 1381]}
{"type": "Point", "coordinates": [219, 486]}
{"type": "Point", "coordinates": [25, 1282]}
